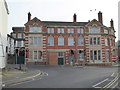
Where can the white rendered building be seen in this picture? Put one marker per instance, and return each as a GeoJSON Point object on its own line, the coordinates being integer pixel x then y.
{"type": "Point", "coordinates": [3, 32]}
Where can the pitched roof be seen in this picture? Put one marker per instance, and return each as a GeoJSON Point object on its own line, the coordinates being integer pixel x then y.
{"type": "Point", "coordinates": [57, 23]}
{"type": "Point", "coordinates": [61, 23]}
{"type": "Point", "coordinates": [17, 28]}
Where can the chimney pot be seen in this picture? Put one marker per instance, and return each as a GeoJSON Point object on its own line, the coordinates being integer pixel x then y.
{"type": "Point", "coordinates": [74, 18]}
{"type": "Point", "coordinates": [100, 17]}
{"type": "Point", "coordinates": [111, 23]}
{"type": "Point", "coordinates": [29, 16]}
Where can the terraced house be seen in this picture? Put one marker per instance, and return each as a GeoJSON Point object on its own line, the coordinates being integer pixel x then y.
{"type": "Point", "coordinates": [58, 43]}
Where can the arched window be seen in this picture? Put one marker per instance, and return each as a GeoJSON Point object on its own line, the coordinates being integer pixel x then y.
{"type": "Point", "coordinates": [80, 41]}
{"type": "Point", "coordinates": [50, 41]}
{"type": "Point", "coordinates": [60, 41]}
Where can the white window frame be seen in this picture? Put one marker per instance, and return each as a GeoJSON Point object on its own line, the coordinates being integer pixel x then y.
{"type": "Point", "coordinates": [60, 30]}
{"type": "Point", "coordinates": [70, 30]}
{"type": "Point", "coordinates": [81, 55]}
{"type": "Point", "coordinates": [50, 42]}
{"type": "Point", "coordinates": [80, 30]}
{"type": "Point", "coordinates": [71, 39]}
{"type": "Point", "coordinates": [105, 31]}
{"type": "Point", "coordinates": [81, 41]}
{"type": "Point", "coordinates": [19, 35]}
{"type": "Point", "coordinates": [60, 54]}
{"type": "Point", "coordinates": [50, 30]}
{"type": "Point", "coordinates": [94, 30]}
{"type": "Point", "coordinates": [98, 55]}
{"type": "Point", "coordinates": [35, 29]}
{"type": "Point", "coordinates": [60, 41]}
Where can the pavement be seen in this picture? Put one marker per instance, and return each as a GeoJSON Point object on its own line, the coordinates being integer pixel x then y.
{"type": "Point", "coordinates": [13, 75]}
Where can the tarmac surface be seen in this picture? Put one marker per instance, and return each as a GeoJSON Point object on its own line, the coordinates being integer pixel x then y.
{"type": "Point", "coordinates": [13, 75]}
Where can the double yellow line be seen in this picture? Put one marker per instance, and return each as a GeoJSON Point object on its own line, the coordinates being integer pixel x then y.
{"type": "Point", "coordinates": [111, 83]}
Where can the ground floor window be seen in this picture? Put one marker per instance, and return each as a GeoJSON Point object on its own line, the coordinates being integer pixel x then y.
{"type": "Point", "coordinates": [81, 54]}
{"type": "Point", "coordinates": [60, 54]}
{"type": "Point", "coordinates": [95, 54]}
{"type": "Point", "coordinates": [35, 55]}
{"type": "Point", "coordinates": [107, 55]}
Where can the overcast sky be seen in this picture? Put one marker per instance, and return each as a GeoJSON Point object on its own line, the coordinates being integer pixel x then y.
{"type": "Point", "coordinates": [62, 10]}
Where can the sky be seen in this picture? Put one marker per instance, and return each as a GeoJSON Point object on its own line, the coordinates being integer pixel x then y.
{"type": "Point", "coordinates": [62, 10]}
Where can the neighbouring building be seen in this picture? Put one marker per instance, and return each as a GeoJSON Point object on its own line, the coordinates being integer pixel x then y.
{"type": "Point", "coordinates": [11, 45]}
{"type": "Point", "coordinates": [19, 37]}
{"type": "Point", "coordinates": [3, 32]}
{"type": "Point", "coordinates": [57, 43]}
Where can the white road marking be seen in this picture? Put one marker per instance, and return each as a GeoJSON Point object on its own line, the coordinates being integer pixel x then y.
{"type": "Point", "coordinates": [99, 83]}
{"type": "Point", "coordinates": [3, 85]}
{"type": "Point", "coordinates": [112, 74]}
{"type": "Point", "coordinates": [97, 87]}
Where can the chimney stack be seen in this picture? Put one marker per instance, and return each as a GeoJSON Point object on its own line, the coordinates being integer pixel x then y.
{"type": "Point", "coordinates": [74, 18]}
{"type": "Point", "coordinates": [111, 23]}
{"type": "Point", "coordinates": [100, 17]}
{"type": "Point", "coordinates": [29, 16]}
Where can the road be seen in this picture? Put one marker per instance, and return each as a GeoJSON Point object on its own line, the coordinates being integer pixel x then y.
{"type": "Point", "coordinates": [69, 77]}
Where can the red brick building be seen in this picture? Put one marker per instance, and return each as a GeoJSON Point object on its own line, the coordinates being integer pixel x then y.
{"type": "Point", "coordinates": [58, 43]}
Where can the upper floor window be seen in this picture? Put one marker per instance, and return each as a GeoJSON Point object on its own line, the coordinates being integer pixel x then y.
{"type": "Point", "coordinates": [95, 41]}
{"type": "Point", "coordinates": [80, 30]}
{"type": "Point", "coordinates": [70, 41]}
{"type": "Point", "coordinates": [35, 29]}
{"type": "Point", "coordinates": [60, 30]}
{"type": "Point", "coordinates": [19, 43]}
{"type": "Point", "coordinates": [19, 35]}
{"type": "Point", "coordinates": [70, 30]}
{"type": "Point", "coordinates": [60, 41]}
{"type": "Point", "coordinates": [50, 41]}
{"type": "Point", "coordinates": [106, 41]}
{"type": "Point", "coordinates": [35, 40]}
{"type": "Point", "coordinates": [50, 30]}
{"type": "Point", "coordinates": [81, 41]}
{"type": "Point", "coordinates": [105, 31]}
{"type": "Point", "coordinates": [94, 30]}
{"type": "Point", "coordinates": [14, 35]}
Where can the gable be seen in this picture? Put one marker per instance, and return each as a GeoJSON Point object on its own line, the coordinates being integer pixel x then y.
{"type": "Point", "coordinates": [94, 22]}
{"type": "Point", "coordinates": [34, 21]}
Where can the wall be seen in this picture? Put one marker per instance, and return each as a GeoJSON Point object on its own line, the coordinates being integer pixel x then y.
{"type": "Point", "coordinates": [3, 32]}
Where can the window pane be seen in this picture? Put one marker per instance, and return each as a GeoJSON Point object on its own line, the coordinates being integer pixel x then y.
{"type": "Point", "coordinates": [99, 54]}
{"type": "Point", "coordinates": [91, 55]}
{"type": "Point", "coordinates": [35, 40]}
{"type": "Point", "coordinates": [91, 41]}
{"type": "Point", "coordinates": [105, 31]}
{"type": "Point", "coordinates": [95, 55]}
{"type": "Point", "coordinates": [51, 41]}
{"type": "Point", "coordinates": [80, 41]}
{"type": "Point", "coordinates": [14, 35]}
{"type": "Point", "coordinates": [48, 30]}
{"type": "Point", "coordinates": [98, 41]}
{"type": "Point", "coordinates": [94, 30]}
{"type": "Point", "coordinates": [60, 41]}
{"type": "Point", "coordinates": [60, 54]}
{"type": "Point", "coordinates": [94, 41]}
{"type": "Point", "coordinates": [39, 55]}
{"type": "Point", "coordinates": [39, 41]}
{"type": "Point", "coordinates": [35, 54]}
{"type": "Point", "coordinates": [58, 30]}
{"type": "Point", "coordinates": [70, 41]}
{"type": "Point", "coordinates": [19, 35]}
{"type": "Point", "coordinates": [31, 40]}
{"type": "Point", "coordinates": [81, 54]}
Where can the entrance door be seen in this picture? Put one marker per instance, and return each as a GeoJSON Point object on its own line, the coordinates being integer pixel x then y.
{"type": "Point", "coordinates": [60, 61]}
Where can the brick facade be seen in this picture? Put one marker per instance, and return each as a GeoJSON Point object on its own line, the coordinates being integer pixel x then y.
{"type": "Point", "coordinates": [50, 54]}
